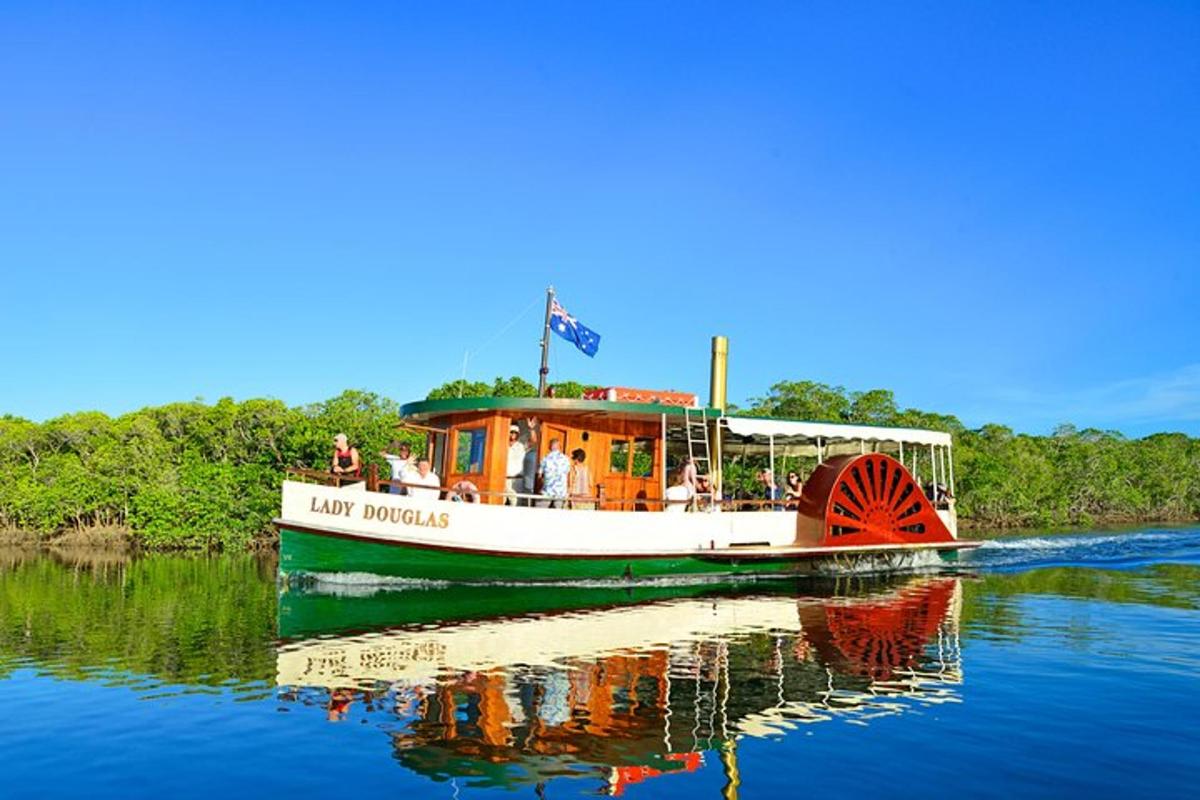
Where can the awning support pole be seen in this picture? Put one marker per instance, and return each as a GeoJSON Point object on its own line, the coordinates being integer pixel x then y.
{"type": "Point", "coordinates": [663, 470]}
{"type": "Point", "coordinates": [950, 458]}
{"type": "Point", "coordinates": [771, 451]}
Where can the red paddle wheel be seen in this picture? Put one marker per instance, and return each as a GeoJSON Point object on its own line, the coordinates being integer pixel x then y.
{"type": "Point", "coordinates": [863, 500]}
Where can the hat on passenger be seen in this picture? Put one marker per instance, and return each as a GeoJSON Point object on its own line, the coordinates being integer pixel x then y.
{"type": "Point", "coordinates": [514, 427]}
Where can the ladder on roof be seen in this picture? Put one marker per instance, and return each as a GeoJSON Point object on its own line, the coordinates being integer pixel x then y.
{"type": "Point", "coordinates": [695, 423]}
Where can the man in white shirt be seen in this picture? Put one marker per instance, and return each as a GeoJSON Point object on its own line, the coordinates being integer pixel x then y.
{"type": "Point", "coordinates": [400, 460]}
{"type": "Point", "coordinates": [425, 484]}
{"type": "Point", "coordinates": [513, 472]}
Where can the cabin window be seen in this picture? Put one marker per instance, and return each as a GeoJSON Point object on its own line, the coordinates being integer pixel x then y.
{"type": "Point", "coordinates": [468, 450]}
{"type": "Point", "coordinates": [618, 456]}
{"type": "Point", "coordinates": [435, 451]}
{"type": "Point", "coordinates": [643, 458]}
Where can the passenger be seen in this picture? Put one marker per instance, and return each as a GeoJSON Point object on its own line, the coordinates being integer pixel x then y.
{"type": "Point", "coordinates": [687, 471]}
{"type": "Point", "coordinates": [679, 496]}
{"type": "Point", "coordinates": [400, 460]}
{"type": "Point", "coordinates": [464, 492]}
{"type": "Point", "coordinates": [514, 482]}
{"type": "Point", "coordinates": [705, 496]}
{"type": "Point", "coordinates": [345, 460]}
{"type": "Point", "coordinates": [579, 482]}
{"type": "Point", "coordinates": [770, 490]}
{"type": "Point", "coordinates": [793, 489]}
{"type": "Point", "coordinates": [554, 471]}
{"type": "Point", "coordinates": [529, 470]}
{"type": "Point", "coordinates": [425, 484]}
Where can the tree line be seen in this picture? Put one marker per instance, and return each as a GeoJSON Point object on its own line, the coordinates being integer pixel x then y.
{"type": "Point", "coordinates": [208, 475]}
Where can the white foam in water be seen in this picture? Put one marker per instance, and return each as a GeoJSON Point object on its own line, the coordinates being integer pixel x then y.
{"type": "Point", "coordinates": [910, 562]}
{"type": "Point", "coordinates": [347, 582]}
{"type": "Point", "coordinates": [1075, 540]}
{"type": "Point", "coordinates": [1083, 549]}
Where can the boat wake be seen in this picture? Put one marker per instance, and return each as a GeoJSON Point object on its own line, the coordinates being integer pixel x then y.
{"type": "Point", "coordinates": [1112, 550]}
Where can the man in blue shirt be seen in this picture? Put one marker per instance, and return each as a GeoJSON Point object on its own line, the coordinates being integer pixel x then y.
{"type": "Point", "coordinates": [554, 470]}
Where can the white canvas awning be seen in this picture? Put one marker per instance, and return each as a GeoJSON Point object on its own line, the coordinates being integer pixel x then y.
{"type": "Point", "coordinates": [832, 432]}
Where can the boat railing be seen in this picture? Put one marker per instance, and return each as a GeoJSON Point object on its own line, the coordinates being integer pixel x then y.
{"type": "Point", "coordinates": [602, 501]}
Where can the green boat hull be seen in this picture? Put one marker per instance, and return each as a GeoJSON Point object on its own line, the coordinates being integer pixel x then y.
{"type": "Point", "coordinates": [303, 552]}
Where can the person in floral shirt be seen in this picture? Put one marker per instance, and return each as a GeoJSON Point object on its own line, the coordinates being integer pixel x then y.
{"type": "Point", "coordinates": [554, 470]}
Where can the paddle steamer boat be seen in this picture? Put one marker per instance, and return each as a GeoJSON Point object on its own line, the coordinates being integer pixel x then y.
{"type": "Point", "coordinates": [861, 506]}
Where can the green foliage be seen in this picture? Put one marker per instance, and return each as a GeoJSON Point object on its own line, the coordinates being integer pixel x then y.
{"type": "Point", "coordinates": [503, 387]}
{"type": "Point", "coordinates": [461, 388]}
{"type": "Point", "coordinates": [179, 475]}
{"type": "Point", "coordinates": [806, 400]}
{"type": "Point", "coordinates": [200, 475]}
{"type": "Point", "coordinates": [511, 387]}
{"type": "Point", "coordinates": [572, 389]}
{"type": "Point", "coordinates": [1005, 479]}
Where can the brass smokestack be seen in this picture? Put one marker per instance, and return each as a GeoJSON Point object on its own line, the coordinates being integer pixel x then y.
{"type": "Point", "coordinates": [718, 382]}
{"type": "Point", "coordinates": [717, 398]}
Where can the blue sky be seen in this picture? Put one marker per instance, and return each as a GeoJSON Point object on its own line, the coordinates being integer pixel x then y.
{"type": "Point", "coordinates": [992, 209]}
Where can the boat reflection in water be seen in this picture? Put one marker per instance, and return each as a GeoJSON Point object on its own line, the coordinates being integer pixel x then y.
{"type": "Point", "coordinates": [620, 692]}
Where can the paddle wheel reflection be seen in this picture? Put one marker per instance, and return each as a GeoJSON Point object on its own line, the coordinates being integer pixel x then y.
{"type": "Point", "coordinates": [634, 693]}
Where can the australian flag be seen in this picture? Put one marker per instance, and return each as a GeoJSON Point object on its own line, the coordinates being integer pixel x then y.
{"type": "Point", "coordinates": [570, 329]}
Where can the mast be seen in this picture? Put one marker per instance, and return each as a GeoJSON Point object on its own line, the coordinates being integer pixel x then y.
{"type": "Point", "coordinates": [545, 370]}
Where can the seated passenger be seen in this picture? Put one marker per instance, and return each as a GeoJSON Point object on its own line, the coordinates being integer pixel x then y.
{"type": "Point", "coordinates": [464, 492]}
{"type": "Point", "coordinates": [793, 489]}
{"type": "Point", "coordinates": [770, 490]}
{"type": "Point", "coordinates": [679, 495]}
{"type": "Point", "coordinates": [425, 484]}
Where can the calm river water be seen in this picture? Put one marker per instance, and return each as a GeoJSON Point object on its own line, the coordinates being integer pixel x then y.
{"type": "Point", "coordinates": [1047, 666]}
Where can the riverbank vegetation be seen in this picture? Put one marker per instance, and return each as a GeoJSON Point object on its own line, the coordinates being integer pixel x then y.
{"type": "Point", "coordinates": [197, 475]}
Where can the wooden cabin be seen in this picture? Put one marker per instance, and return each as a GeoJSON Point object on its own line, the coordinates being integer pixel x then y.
{"type": "Point", "coordinates": [624, 442]}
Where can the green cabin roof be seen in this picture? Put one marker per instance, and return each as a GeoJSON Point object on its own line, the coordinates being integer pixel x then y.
{"type": "Point", "coordinates": [425, 409]}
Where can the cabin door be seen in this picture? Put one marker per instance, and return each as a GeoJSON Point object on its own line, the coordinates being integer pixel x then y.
{"type": "Point", "coordinates": [551, 432]}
